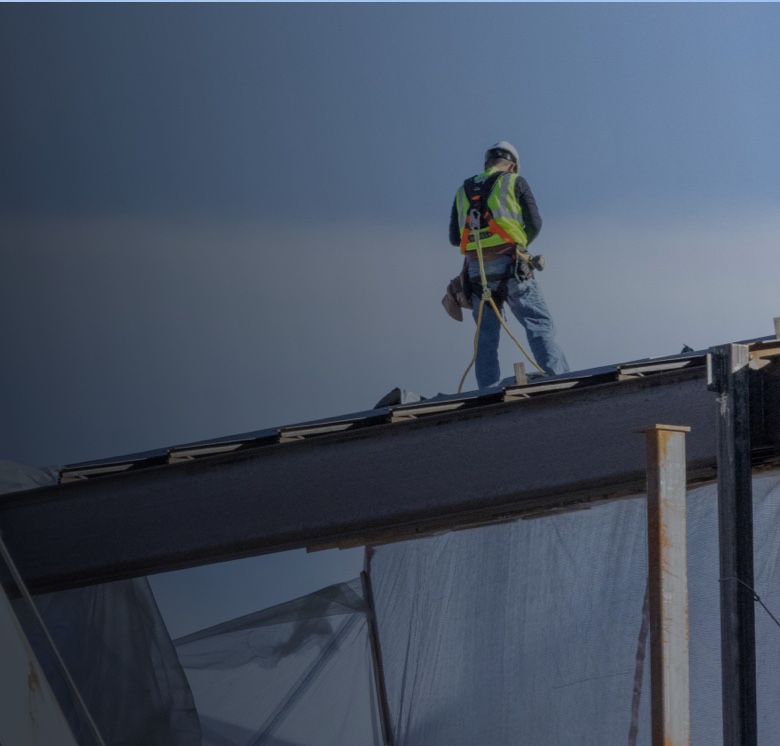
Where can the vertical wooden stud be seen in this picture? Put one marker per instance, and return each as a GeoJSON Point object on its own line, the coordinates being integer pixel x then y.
{"type": "Point", "coordinates": [668, 585]}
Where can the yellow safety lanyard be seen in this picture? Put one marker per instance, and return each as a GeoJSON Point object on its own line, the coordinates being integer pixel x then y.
{"type": "Point", "coordinates": [474, 223]}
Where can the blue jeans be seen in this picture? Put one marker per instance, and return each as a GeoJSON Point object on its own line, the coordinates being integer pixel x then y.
{"type": "Point", "coordinates": [525, 301]}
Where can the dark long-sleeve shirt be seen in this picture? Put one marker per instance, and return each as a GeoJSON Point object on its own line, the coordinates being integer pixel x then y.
{"type": "Point", "coordinates": [531, 218]}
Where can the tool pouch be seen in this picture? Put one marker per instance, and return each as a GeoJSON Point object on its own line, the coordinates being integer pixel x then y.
{"type": "Point", "coordinates": [526, 263]}
{"type": "Point", "coordinates": [458, 294]}
{"type": "Point", "coordinates": [523, 269]}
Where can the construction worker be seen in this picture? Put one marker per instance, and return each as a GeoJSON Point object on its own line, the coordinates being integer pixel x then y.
{"type": "Point", "coordinates": [502, 203]}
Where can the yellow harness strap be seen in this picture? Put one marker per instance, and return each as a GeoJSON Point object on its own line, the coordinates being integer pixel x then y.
{"type": "Point", "coordinates": [487, 297]}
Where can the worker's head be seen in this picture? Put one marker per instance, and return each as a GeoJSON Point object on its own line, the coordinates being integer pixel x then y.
{"type": "Point", "coordinates": [502, 155]}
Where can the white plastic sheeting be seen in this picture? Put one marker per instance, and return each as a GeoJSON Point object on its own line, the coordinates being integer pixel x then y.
{"type": "Point", "coordinates": [17, 477]}
{"type": "Point", "coordinates": [522, 633]}
{"type": "Point", "coordinates": [29, 712]}
{"type": "Point", "coordinates": [297, 674]}
{"type": "Point", "coordinates": [117, 650]}
{"type": "Point", "coordinates": [526, 633]}
{"type": "Point", "coordinates": [119, 653]}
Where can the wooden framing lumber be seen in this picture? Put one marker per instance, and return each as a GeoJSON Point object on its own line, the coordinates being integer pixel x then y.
{"type": "Point", "coordinates": [668, 585]}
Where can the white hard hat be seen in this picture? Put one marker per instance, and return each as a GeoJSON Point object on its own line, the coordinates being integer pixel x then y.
{"type": "Point", "coordinates": [502, 149]}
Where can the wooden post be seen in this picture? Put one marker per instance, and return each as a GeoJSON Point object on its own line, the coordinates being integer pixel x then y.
{"type": "Point", "coordinates": [668, 585]}
{"type": "Point", "coordinates": [777, 327]}
{"type": "Point", "coordinates": [730, 377]}
{"type": "Point", "coordinates": [521, 377]}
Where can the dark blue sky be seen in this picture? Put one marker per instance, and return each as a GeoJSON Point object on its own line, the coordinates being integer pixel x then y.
{"type": "Point", "coordinates": [220, 218]}
{"type": "Point", "coordinates": [221, 111]}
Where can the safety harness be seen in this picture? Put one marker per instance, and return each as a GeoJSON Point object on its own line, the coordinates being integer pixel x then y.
{"type": "Point", "coordinates": [477, 193]}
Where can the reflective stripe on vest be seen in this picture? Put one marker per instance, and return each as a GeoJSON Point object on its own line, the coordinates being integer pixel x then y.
{"type": "Point", "coordinates": [506, 225]}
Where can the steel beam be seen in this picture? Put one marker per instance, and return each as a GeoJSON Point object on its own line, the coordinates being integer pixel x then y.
{"type": "Point", "coordinates": [668, 585]}
{"type": "Point", "coordinates": [731, 374]}
{"type": "Point", "coordinates": [440, 472]}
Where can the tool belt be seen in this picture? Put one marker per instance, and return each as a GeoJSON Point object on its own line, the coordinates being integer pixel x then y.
{"type": "Point", "coordinates": [462, 288]}
{"type": "Point", "coordinates": [522, 269]}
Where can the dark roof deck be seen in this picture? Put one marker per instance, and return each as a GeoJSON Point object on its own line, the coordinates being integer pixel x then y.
{"type": "Point", "coordinates": [395, 472]}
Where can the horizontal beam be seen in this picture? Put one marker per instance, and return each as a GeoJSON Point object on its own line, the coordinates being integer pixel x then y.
{"type": "Point", "coordinates": [442, 472]}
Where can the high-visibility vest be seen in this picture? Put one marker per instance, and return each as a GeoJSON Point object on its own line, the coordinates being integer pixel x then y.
{"type": "Point", "coordinates": [501, 217]}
